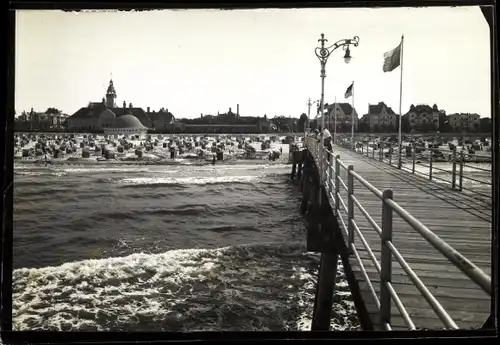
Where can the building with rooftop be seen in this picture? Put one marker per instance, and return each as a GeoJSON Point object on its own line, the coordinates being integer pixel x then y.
{"type": "Point", "coordinates": [423, 117]}
{"type": "Point", "coordinates": [97, 116]}
{"type": "Point", "coordinates": [380, 117]}
{"type": "Point", "coordinates": [124, 125]}
{"type": "Point", "coordinates": [50, 120]}
{"type": "Point", "coordinates": [464, 122]}
{"type": "Point", "coordinates": [228, 122]}
{"type": "Point", "coordinates": [342, 114]}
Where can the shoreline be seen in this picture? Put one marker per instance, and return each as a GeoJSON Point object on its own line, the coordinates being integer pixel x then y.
{"type": "Point", "coordinates": [181, 161]}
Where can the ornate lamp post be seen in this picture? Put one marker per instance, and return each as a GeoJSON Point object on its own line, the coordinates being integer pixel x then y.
{"type": "Point", "coordinates": [309, 104]}
{"type": "Point", "coordinates": [323, 53]}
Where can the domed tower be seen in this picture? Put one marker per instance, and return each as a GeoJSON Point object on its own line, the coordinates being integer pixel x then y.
{"type": "Point", "coordinates": [110, 95]}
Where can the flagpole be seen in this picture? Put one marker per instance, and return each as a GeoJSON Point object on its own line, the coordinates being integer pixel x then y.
{"type": "Point", "coordinates": [352, 118]}
{"type": "Point", "coordinates": [400, 100]}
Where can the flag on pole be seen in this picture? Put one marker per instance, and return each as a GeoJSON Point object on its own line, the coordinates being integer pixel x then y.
{"type": "Point", "coordinates": [392, 59]}
{"type": "Point", "coordinates": [348, 92]}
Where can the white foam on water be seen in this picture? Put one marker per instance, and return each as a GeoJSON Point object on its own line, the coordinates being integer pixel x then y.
{"type": "Point", "coordinates": [107, 169]}
{"type": "Point", "coordinates": [245, 167]}
{"type": "Point", "coordinates": [266, 286]}
{"type": "Point", "coordinates": [41, 173]}
{"type": "Point", "coordinates": [23, 167]}
{"type": "Point", "coordinates": [186, 180]}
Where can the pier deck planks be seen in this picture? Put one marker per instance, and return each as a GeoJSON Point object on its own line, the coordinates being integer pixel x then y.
{"type": "Point", "coordinates": [457, 218]}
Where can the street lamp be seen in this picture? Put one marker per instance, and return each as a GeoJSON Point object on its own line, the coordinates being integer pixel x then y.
{"type": "Point", "coordinates": [347, 56]}
{"type": "Point", "coordinates": [309, 104]}
{"type": "Point", "coordinates": [323, 53]}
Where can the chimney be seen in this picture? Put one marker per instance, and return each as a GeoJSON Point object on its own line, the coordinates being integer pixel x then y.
{"type": "Point", "coordinates": [149, 110]}
{"type": "Point", "coordinates": [229, 112]}
{"type": "Point", "coordinates": [130, 105]}
{"type": "Point", "coordinates": [124, 104]}
{"type": "Point", "coordinates": [237, 110]}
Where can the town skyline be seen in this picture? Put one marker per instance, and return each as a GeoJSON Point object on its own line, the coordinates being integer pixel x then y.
{"type": "Point", "coordinates": [295, 115]}
{"type": "Point", "coordinates": [268, 66]}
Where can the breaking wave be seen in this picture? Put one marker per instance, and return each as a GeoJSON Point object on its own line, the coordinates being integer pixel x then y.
{"type": "Point", "coordinates": [40, 173]}
{"type": "Point", "coordinates": [185, 180]}
{"type": "Point", "coordinates": [125, 247]}
{"type": "Point", "coordinates": [255, 287]}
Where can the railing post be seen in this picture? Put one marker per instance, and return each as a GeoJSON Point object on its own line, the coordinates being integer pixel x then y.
{"type": "Point", "coordinates": [461, 171]}
{"type": "Point", "coordinates": [454, 169]}
{"type": "Point", "coordinates": [337, 183]}
{"type": "Point", "coordinates": [350, 207]}
{"type": "Point", "coordinates": [330, 178]}
{"type": "Point", "coordinates": [381, 151]}
{"type": "Point", "coordinates": [367, 147]}
{"type": "Point", "coordinates": [430, 164]}
{"type": "Point", "coordinates": [373, 151]}
{"type": "Point", "coordinates": [413, 154]}
{"type": "Point", "coordinates": [385, 261]}
{"type": "Point", "coordinates": [390, 155]}
{"type": "Point", "coordinates": [327, 163]}
{"type": "Point", "coordinates": [320, 170]}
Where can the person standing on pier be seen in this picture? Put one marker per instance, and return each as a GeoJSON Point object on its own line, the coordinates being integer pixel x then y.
{"type": "Point", "coordinates": [327, 139]}
{"type": "Point", "coordinates": [327, 142]}
{"type": "Point", "coordinates": [317, 134]}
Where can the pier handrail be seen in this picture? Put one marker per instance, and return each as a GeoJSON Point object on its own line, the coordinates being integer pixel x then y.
{"type": "Point", "coordinates": [332, 165]}
{"type": "Point", "coordinates": [456, 158]}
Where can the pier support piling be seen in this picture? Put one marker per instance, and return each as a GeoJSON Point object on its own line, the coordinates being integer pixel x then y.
{"type": "Point", "coordinates": [328, 269]}
{"type": "Point", "coordinates": [294, 170]}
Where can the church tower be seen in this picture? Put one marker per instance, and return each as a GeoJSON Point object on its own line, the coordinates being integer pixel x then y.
{"type": "Point", "coordinates": [110, 95]}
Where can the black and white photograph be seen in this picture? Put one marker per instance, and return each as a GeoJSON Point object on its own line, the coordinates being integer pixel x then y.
{"type": "Point", "coordinates": [252, 170]}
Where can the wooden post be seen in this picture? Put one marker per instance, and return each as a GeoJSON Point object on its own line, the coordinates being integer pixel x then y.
{"type": "Point", "coordinates": [325, 291]}
{"type": "Point", "coordinates": [294, 169]}
{"type": "Point", "coordinates": [385, 261]}
{"type": "Point", "coordinates": [305, 183]}
{"type": "Point", "coordinates": [330, 177]}
{"type": "Point", "coordinates": [305, 196]}
{"type": "Point", "coordinates": [327, 273]}
{"type": "Point", "coordinates": [350, 208]}
{"type": "Point", "coordinates": [413, 158]}
{"type": "Point", "coordinates": [454, 169]}
{"type": "Point", "coordinates": [461, 171]}
{"type": "Point", "coordinates": [299, 171]}
{"type": "Point", "coordinates": [390, 155]}
{"type": "Point", "coordinates": [313, 216]}
{"type": "Point", "coordinates": [337, 183]}
{"type": "Point", "coordinates": [321, 171]}
{"type": "Point", "coordinates": [381, 151]}
{"type": "Point", "coordinates": [430, 164]}
{"type": "Point", "coordinates": [302, 177]}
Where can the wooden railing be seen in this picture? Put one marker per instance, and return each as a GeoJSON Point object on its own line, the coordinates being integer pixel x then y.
{"type": "Point", "coordinates": [329, 171]}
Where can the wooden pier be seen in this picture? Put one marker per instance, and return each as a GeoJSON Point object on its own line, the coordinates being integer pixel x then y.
{"type": "Point", "coordinates": [429, 244]}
